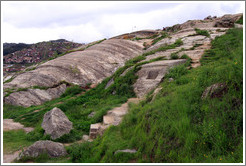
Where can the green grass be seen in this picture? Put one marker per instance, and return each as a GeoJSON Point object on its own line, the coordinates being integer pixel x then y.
{"type": "Point", "coordinates": [202, 32]}
{"type": "Point", "coordinates": [178, 126]}
{"type": "Point", "coordinates": [240, 21]}
{"type": "Point", "coordinates": [163, 35]}
{"type": "Point", "coordinates": [15, 140]}
{"type": "Point", "coordinates": [174, 56]}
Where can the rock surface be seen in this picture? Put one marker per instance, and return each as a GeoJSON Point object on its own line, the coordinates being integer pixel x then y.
{"type": "Point", "coordinates": [151, 74]}
{"type": "Point", "coordinates": [34, 96]}
{"type": "Point", "coordinates": [113, 117]}
{"type": "Point", "coordinates": [53, 149]}
{"type": "Point", "coordinates": [215, 90]}
{"type": "Point", "coordinates": [81, 67]}
{"type": "Point", "coordinates": [56, 123]}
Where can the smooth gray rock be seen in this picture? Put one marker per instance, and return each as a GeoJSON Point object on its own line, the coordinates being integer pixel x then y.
{"type": "Point", "coordinates": [53, 149]}
{"type": "Point", "coordinates": [56, 123]}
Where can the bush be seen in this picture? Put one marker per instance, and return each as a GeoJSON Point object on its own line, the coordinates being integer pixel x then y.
{"type": "Point", "coordinates": [174, 56]}
{"type": "Point", "coordinates": [73, 90]}
{"type": "Point", "coordinates": [202, 32]}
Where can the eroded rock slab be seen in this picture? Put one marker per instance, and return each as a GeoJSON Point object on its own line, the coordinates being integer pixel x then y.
{"type": "Point", "coordinates": [151, 74]}
{"type": "Point", "coordinates": [34, 96]}
{"type": "Point", "coordinates": [56, 123]}
{"type": "Point", "coordinates": [81, 67]}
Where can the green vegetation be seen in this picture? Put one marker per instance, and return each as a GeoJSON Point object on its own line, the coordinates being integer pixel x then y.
{"type": "Point", "coordinates": [163, 35]}
{"type": "Point", "coordinates": [174, 56]}
{"type": "Point", "coordinates": [195, 46]}
{"type": "Point", "coordinates": [202, 32]}
{"type": "Point", "coordinates": [73, 90]}
{"type": "Point", "coordinates": [177, 43]}
{"type": "Point", "coordinates": [95, 43]}
{"type": "Point", "coordinates": [178, 126]}
{"type": "Point", "coordinates": [240, 21]}
{"type": "Point", "coordinates": [15, 140]}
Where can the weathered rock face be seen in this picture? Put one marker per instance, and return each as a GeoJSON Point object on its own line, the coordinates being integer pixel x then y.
{"type": "Point", "coordinates": [227, 21]}
{"type": "Point", "coordinates": [53, 149]}
{"type": "Point", "coordinates": [34, 96]}
{"type": "Point", "coordinates": [56, 123]}
{"type": "Point", "coordinates": [81, 67]}
{"type": "Point", "coordinates": [215, 90]}
{"type": "Point", "coordinates": [150, 75]}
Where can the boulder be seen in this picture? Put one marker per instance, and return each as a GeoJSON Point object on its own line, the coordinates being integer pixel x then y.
{"type": "Point", "coordinates": [208, 18]}
{"type": "Point", "coordinates": [53, 149]}
{"type": "Point", "coordinates": [56, 123]}
{"type": "Point", "coordinates": [215, 90]}
{"type": "Point", "coordinates": [227, 21]}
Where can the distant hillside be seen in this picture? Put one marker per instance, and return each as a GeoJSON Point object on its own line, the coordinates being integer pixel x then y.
{"type": "Point", "coordinates": [9, 48]}
{"type": "Point", "coordinates": [24, 53]}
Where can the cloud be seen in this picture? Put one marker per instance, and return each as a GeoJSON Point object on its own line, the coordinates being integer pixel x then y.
{"type": "Point", "coordinates": [84, 21]}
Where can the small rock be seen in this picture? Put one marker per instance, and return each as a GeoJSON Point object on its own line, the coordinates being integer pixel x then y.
{"type": "Point", "coordinates": [91, 114]}
{"type": "Point", "coordinates": [126, 151]}
{"type": "Point", "coordinates": [215, 90]}
{"type": "Point", "coordinates": [53, 149]}
{"type": "Point", "coordinates": [208, 18]}
{"type": "Point", "coordinates": [170, 79]}
{"type": "Point", "coordinates": [157, 90]}
{"type": "Point", "coordinates": [85, 137]}
{"type": "Point", "coordinates": [56, 123]}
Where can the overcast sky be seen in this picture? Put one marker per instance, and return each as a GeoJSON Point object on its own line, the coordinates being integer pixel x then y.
{"type": "Point", "coordinates": [83, 22]}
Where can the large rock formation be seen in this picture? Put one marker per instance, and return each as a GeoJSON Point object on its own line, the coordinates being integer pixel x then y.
{"type": "Point", "coordinates": [81, 67]}
{"type": "Point", "coordinates": [53, 149]}
{"type": "Point", "coordinates": [34, 96]}
{"type": "Point", "coordinates": [56, 123]}
{"type": "Point", "coordinates": [101, 60]}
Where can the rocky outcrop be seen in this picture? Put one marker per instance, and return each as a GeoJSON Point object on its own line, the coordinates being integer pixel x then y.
{"type": "Point", "coordinates": [56, 123]}
{"type": "Point", "coordinates": [215, 90]}
{"type": "Point", "coordinates": [227, 21]}
{"type": "Point", "coordinates": [81, 67]}
{"type": "Point", "coordinates": [53, 149]}
{"type": "Point", "coordinates": [34, 96]}
{"type": "Point", "coordinates": [151, 74]}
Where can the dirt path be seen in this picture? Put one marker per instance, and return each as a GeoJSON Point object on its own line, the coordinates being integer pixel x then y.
{"type": "Point", "coordinates": [9, 124]}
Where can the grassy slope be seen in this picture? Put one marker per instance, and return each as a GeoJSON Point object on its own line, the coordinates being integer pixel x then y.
{"type": "Point", "coordinates": [178, 126]}
{"type": "Point", "coordinates": [154, 129]}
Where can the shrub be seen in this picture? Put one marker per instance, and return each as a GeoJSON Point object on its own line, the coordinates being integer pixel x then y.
{"type": "Point", "coordinates": [202, 32]}
{"type": "Point", "coordinates": [174, 56]}
{"type": "Point", "coordinates": [73, 90]}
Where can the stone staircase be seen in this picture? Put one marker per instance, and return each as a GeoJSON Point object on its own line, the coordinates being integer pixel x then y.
{"type": "Point", "coordinates": [113, 117]}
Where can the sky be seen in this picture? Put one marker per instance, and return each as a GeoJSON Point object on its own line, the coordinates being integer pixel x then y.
{"type": "Point", "coordinates": [85, 21]}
